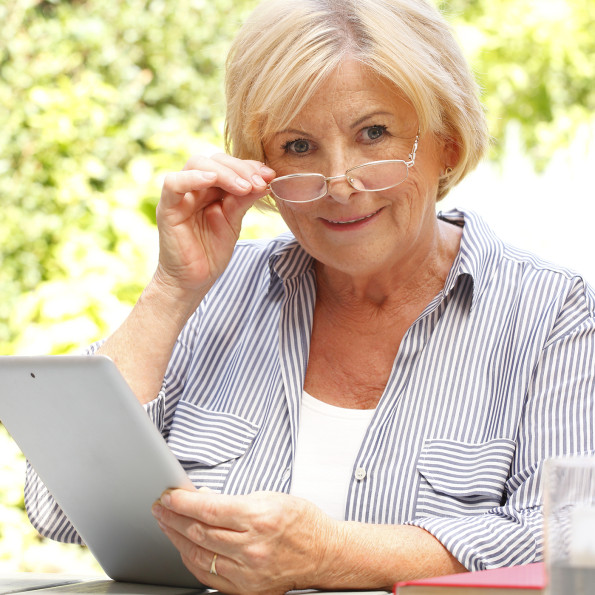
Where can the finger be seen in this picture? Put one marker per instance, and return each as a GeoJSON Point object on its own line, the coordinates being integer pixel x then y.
{"type": "Point", "coordinates": [195, 531]}
{"type": "Point", "coordinates": [215, 510]}
{"type": "Point", "coordinates": [245, 167]}
{"type": "Point", "coordinates": [182, 184]}
{"type": "Point", "coordinates": [199, 561]}
{"type": "Point", "coordinates": [199, 188]}
{"type": "Point", "coordinates": [187, 192]}
{"type": "Point", "coordinates": [236, 176]}
{"type": "Point", "coordinates": [214, 539]}
{"type": "Point", "coordinates": [234, 208]}
{"type": "Point", "coordinates": [197, 555]}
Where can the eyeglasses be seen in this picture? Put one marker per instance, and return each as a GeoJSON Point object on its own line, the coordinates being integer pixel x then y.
{"type": "Point", "coordinates": [368, 177]}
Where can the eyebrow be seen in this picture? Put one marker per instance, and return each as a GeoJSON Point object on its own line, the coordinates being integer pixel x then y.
{"type": "Point", "coordinates": [369, 116]}
{"type": "Point", "coordinates": [354, 125]}
{"type": "Point", "coordinates": [290, 131]}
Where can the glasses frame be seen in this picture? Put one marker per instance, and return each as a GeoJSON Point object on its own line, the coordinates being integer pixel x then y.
{"type": "Point", "coordinates": [346, 175]}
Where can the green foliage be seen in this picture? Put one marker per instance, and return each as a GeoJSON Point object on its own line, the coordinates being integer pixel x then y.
{"type": "Point", "coordinates": [98, 100]}
{"type": "Point", "coordinates": [535, 60]}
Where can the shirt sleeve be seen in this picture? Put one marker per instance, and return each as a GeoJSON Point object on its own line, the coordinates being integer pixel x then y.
{"type": "Point", "coordinates": [557, 421]}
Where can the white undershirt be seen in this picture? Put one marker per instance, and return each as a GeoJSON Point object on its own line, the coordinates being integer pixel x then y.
{"type": "Point", "coordinates": [329, 439]}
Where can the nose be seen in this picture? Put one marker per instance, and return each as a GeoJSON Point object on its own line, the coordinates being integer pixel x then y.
{"type": "Point", "coordinates": [339, 189]}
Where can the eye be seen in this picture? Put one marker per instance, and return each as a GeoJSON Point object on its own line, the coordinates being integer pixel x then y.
{"type": "Point", "coordinates": [298, 146]}
{"type": "Point", "coordinates": [372, 133]}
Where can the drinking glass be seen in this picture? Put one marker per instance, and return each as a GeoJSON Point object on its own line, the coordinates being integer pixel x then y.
{"type": "Point", "coordinates": [570, 525]}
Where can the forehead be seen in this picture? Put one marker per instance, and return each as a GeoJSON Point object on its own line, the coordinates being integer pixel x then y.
{"type": "Point", "coordinates": [352, 92]}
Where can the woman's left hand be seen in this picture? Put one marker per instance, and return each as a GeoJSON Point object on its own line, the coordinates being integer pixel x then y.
{"type": "Point", "coordinates": [265, 542]}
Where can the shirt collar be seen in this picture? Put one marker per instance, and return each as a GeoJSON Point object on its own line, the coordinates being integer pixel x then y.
{"type": "Point", "coordinates": [479, 255]}
{"type": "Point", "coordinates": [288, 260]}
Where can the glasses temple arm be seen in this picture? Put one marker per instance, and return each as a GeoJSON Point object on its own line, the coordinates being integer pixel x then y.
{"type": "Point", "coordinates": [413, 150]}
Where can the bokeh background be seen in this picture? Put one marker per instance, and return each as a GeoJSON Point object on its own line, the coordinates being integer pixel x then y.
{"type": "Point", "coordinates": [98, 100]}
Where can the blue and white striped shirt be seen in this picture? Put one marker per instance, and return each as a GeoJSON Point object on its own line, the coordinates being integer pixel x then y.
{"type": "Point", "coordinates": [495, 375]}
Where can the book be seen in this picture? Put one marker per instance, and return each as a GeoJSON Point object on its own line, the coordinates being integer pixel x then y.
{"type": "Point", "coordinates": [527, 579]}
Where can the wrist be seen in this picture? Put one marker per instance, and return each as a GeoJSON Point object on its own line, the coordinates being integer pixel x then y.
{"type": "Point", "coordinates": [171, 303]}
{"type": "Point", "coordinates": [175, 296]}
{"type": "Point", "coordinates": [331, 548]}
{"type": "Point", "coordinates": [358, 556]}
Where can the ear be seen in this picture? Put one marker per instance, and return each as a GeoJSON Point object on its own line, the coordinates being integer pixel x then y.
{"type": "Point", "coordinates": [451, 152]}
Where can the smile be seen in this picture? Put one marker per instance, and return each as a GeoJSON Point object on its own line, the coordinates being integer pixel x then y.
{"type": "Point", "coordinates": [352, 221]}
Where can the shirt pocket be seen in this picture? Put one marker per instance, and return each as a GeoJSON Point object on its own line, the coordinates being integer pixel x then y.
{"type": "Point", "coordinates": [208, 442]}
{"type": "Point", "coordinates": [459, 478]}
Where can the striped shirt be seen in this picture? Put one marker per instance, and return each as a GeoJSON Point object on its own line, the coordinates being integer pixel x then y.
{"type": "Point", "coordinates": [495, 375]}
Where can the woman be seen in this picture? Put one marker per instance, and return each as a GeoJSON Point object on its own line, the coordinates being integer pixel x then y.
{"type": "Point", "coordinates": [371, 397]}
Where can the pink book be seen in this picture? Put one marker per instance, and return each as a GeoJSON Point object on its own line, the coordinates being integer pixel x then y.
{"type": "Point", "coordinates": [513, 579]}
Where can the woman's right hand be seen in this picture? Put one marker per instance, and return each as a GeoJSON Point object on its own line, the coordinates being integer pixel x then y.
{"type": "Point", "coordinates": [199, 219]}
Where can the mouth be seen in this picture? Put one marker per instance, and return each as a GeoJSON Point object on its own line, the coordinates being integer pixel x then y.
{"type": "Point", "coordinates": [350, 223]}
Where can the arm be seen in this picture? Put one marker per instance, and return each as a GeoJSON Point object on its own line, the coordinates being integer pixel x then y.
{"type": "Point", "coordinates": [271, 543]}
{"type": "Point", "coordinates": [557, 420]}
{"type": "Point", "coordinates": [199, 219]}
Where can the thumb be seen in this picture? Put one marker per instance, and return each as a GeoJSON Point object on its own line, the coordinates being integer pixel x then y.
{"type": "Point", "coordinates": [235, 207]}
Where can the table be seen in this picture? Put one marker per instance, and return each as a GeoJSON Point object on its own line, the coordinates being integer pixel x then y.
{"type": "Point", "coordinates": [53, 584]}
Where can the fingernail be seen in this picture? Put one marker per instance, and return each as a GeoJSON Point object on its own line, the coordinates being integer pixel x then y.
{"type": "Point", "coordinates": [243, 184]}
{"type": "Point", "coordinates": [209, 175]}
{"type": "Point", "coordinates": [266, 171]}
{"type": "Point", "coordinates": [157, 510]}
{"type": "Point", "coordinates": [256, 179]}
{"type": "Point", "coordinates": [166, 500]}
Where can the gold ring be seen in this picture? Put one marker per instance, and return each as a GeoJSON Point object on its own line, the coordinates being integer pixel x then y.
{"type": "Point", "coordinates": [213, 569]}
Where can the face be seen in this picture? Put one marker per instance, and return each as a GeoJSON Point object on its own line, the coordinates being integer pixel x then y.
{"type": "Point", "coordinates": [352, 119]}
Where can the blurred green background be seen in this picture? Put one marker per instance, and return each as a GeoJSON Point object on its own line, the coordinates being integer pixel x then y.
{"type": "Point", "coordinates": [98, 100]}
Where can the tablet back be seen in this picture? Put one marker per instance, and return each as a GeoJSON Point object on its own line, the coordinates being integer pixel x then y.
{"type": "Point", "coordinates": [95, 448]}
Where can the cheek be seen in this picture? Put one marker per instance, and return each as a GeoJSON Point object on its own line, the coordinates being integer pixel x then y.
{"type": "Point", "coordinates": [293, 217]}
{"type": "Point", "coordinates": [422, 187]}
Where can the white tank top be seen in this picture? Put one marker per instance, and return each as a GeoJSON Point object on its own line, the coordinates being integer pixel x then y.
{"type": "Point", "coordinates": [329, 439]}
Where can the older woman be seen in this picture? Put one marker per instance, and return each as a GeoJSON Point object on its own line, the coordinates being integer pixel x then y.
{"type": "Point", "coordinates": [372, 396]}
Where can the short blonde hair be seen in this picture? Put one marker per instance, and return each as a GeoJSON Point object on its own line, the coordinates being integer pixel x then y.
{"type": "Point", "coordinates": [287, 48]}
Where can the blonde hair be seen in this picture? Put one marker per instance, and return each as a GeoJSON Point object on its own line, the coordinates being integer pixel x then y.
{"type": "Point", "coordinates": [287, 48]}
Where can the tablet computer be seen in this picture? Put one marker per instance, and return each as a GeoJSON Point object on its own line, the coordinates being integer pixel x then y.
{"type": "Point", "coordinates": [100, 456]}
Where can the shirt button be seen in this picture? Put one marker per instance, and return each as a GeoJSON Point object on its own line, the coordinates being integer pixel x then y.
{"type": "Point", "coordinates": [360, 473]}
{"type": "Point", "coordinates": [286, 474]}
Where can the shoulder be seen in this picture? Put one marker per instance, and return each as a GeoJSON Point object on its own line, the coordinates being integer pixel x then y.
{"type": "Point", "coordinates": [555, 282]}
{"type": "Point", "coordinates": [496, 266]}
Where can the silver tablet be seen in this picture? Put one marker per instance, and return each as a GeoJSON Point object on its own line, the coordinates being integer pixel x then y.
{"type": "Point", "coordinates": [95, 448]}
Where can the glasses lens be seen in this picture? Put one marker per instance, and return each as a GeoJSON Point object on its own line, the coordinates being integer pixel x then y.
{"type": "Point", "coordinates": [378, 176]}
{"type": "Point", "coordinates": [300, 188]}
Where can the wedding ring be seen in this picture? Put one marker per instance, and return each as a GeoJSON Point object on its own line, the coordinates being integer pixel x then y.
{"type": "Point", "coordinates": [213, 569]}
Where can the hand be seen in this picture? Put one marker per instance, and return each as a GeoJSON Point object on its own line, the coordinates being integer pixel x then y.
{"type": "Point", "coordinates": [265, 542]}
{"type": "Point", "coordinates": [199, 218]}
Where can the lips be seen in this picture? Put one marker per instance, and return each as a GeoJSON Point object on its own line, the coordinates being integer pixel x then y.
{"type": "Point", "coordinates": [352, 221]}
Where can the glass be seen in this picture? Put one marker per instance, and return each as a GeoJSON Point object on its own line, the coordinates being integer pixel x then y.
{"type": "Point", "coordinates": [369, 177]}
{"type": "Point", "coordinates": [570, 525]}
